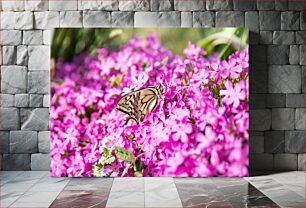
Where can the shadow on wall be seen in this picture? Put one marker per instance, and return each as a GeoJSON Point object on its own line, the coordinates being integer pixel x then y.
{"type": "Point", "coordinates": [276, 126]}
{"type": "Point", "coordinates": [258, 82]}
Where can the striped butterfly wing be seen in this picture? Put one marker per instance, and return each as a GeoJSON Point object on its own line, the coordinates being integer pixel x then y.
{"type": "Point", "coordinates": [139, 103]}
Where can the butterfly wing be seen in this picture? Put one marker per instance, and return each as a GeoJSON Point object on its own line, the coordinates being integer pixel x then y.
{"type": "Point", "coordinates": [139, 103]}
{"type": "Point", "coordinates": [148, 100]}
{"type": "Point", "coordinates": [127, 103]}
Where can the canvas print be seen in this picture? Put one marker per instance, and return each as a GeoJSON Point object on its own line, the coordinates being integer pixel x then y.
{"type": "Point", "coordinates": [149, 102]}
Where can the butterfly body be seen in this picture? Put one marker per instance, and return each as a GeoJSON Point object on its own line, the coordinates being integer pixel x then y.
{"type": "Point", "coordinates": [139, 103]}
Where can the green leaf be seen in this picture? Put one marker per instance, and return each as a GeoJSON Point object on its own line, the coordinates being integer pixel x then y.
{"type": "Point", "coordinates": [115, 33]}
{"type": "Point", "coordinates": [138, 174]}
{"type": "Point", "coordinates": [106, 160]}
{"type": "Point", "coordinates": [130, 137]}
{"type": "Point", "coordinates": [138, 165]}
{"type": "Point", "coordinates": [165, 61]}
{"type": "Point", "coordinates": [144, 66]}
{"type": "Point", "coordinates": [117, 81]}
{"type": "Point", "coordinates": [124, 155]}
{"type": "Point", "coordinates": [106, 151]}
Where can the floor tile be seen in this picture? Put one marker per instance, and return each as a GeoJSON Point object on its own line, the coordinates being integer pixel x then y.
{"type": "Point", "coordinates": [295, 181]}
{"type": "Point", "coordinates": [80, 199]}
{"type": "Point", "coordinates": [30, 176]}
{"type": "Point", "coordinates": [30, 205]}
{"type": "Point", "coordinates": [163, 198]}
{"type": "Point", "coordinates": [50, 184]}
{"type": "Point", "coordinates": [7, 176]}
{"type": "Point", "coordinates": [38, 196]}
{"type": "Point", "coordinates": [157, 184]}
{"type": "Point", "coordinates": [201, 194]}
{"type": "Point", "coordinates": [89, 184]}
{"type": "Point", "coordinates": [126, 199]}
{"type": "Point", "coordinates": [277, 192]}
{"type": "Point", "coordinates": [128, 185]}
{"type": "Point", "coordinates": [36, 199]}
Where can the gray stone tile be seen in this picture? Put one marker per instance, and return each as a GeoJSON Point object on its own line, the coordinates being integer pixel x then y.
{"type": "Point", "coordinates": [256, 144]}
{"type": "Point", "coordinates": [290, 20]}
{"type": "Point", "coordinates": [261, 161]}
{"type": "Point", "coordinates": [219, 5]}
{"type": "Point", "coordinates": [14, 79]}
{"type": "Point", "coordinates": [285, 162]}
{"type": "Point", "coordinates": [229, 19]}
{"type": "Point", "coordinates": [278, 54]}
{"type": "Point", "coordinates": [257, 101]}
{"type": "Point", "coordinates": [269, 20]}
{"type": "Point", "coordinates": [295, 100]}
{"type": "Point", "coordinates": [274, 142]}
{"type": "Point", "coordinates": [244, 5]}
{"type": "Point", "coordinates": [285, 79]}
{"type": "Point", "coordinates": [203, 19]}
{"type": "Point", "coordinates": [22, 55]}
{"type": "Point", "coordinates": [260, 120]}
{"type": "Point", "coordinates": [40, 161]}
{"type": "Point", "coordinates": [122, 19]}
{"type": "Point", "coordinates": [294, 141]}
{"type": "Point", "coordinates": [157, 19]}
{"type": "Point", "coordinates": [36, 119]}
{"type": "Point", "coordinates": [134, 5]}
{"type": "Point", "coordinates": [196, 5]}
{"type": "Point", "coordinates": [162, 5]}
{"type": "Point", "coordinates": [299, 119]}
{"type": "Point", "coordinates": [16, 161]}
{"type": "Point", "coordinates": [301, 165]}
{"type": "Point", "coordinates": [23, 142]}
{"type": "Point", "coordinates": [283, 118]}
{"type": "Point", "coordinates": [98, 5]}
{"type": "Point", "coordinates": [276, 100]}
{"type": "Point", "coordinates": [97, 19]}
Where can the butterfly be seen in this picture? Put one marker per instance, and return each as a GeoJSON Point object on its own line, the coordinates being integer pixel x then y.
{"type": "Point", "coordinates": [139, 103]}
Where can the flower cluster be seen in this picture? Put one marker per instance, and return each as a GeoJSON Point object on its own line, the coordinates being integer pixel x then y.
{"type": "Point", "coordinates": [199, 127]}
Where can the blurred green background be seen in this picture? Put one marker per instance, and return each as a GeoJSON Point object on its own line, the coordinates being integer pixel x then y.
{"type": "Point", "coordinates": [68, 42]}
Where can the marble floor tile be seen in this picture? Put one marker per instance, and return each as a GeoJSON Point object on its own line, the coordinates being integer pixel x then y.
{"type": "Point", "coordinates": [163, 198]}
{"type": "Point", "coordinates": [80, 199]}
{"type": "Point", "coordinates": [277, 192]}
{"type": "Point", "coordinates": [7, 176]}
{"type": "Point", "coordinates": [157, 184]}
{"type": "Point", "coordinates": [36, 199]}
{"type": "Point", "coordinates": [295, 181]}
{"type": "Point", "coordinates": [15, 187]}
{"type": "Point", "coordinates": [30, 205]}
{"type": "Point", "coordinates": [126, 200]}
{"type": "Point", "coordinates": [30, 176]}
{"type": "Point", "coordinates": [38, 196]}
{"type": "Point", "coordinates": [37, 189]}
{"type": "Point", "coordinates": [193, 180]}
{"type": "Point", "coordinates": [103, 184]}
{"type": "Point", "coordinates": [161, 192]}
{"type": "Point", "coordinates": [128, 185]}
{"type": "Point", "coordinates": [198, 195]}
{"type": "Point", "coordinates": [8, 200]}
{"type": "Point", "coordinates": [84, 192]}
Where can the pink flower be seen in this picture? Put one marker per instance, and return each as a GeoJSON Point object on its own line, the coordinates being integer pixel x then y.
{"type": "Point", "coordinates": [233, 94]}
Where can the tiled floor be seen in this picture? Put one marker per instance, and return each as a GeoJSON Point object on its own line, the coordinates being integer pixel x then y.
{"type": "Point", "coordinates": [37, 189]}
